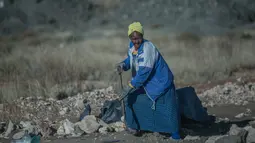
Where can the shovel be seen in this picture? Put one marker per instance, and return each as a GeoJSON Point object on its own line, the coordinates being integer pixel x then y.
{"type": "Point", "coordinates": [122, 101]}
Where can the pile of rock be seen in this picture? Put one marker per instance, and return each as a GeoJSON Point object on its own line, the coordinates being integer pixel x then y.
{"type": "Point", "coordinates": [54, 117]}
{"type": "Point", "coordinates": [52, 109]}
{"type": "Point", "coordinates": [90, 124]}
{"type": "Point", "coordinates": [229, 93]}
{"type": "Point", "coordinates": [236, 135]}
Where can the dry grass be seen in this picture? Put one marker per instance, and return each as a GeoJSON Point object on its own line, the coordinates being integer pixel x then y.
{"type": "Point", "coordinates": [34, 64]}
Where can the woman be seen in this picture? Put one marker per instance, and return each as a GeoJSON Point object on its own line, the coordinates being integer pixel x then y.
{"type": "Point", "coordinates": [151, 104]}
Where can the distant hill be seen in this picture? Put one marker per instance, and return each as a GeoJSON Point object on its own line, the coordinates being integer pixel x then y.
{"type": "Point", "coordinates": [200, 16]}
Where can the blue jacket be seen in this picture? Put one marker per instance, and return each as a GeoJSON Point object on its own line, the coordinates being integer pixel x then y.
{"type": "Point", "coordinates": [149, 70]}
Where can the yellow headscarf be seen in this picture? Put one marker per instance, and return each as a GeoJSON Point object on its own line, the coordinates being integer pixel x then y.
{"type": "Point", "coordinates": [135, 26]}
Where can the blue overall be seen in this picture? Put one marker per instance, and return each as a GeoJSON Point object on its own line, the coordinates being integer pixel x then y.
{"type": "Point", "coordinates": [154, 106]}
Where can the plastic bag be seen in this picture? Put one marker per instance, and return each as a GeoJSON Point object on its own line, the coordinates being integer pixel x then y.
{"type": "Point", "coordinates": [86, 111]}
{"type": "Point", "coordinates": [111, 111]}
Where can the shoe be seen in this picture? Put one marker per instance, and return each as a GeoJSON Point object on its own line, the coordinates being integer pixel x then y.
{"type": "Point", "coordinates": [176, 136]}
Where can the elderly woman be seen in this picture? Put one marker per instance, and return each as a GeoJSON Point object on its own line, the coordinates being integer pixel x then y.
{"type": "Point", "coordinates": [152, 103]}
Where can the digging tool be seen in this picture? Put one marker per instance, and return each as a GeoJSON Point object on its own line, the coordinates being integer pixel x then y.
{"type": "Point", "coordinates": [122, 101]}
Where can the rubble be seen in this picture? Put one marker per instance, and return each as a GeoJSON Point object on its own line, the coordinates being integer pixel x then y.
{"type": "Point", "coordinates": [50, 116]}
{"type": "Point", "coordinates": [229, 93]}
{"type": "Point", "coordinates": [54, 117]}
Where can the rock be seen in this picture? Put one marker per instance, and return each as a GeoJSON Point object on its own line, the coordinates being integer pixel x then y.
{"type": "Point", "coordinates": [26, 124]}
{"type": "Point", "coordinates": [122, 119]}
{"type": "Point", "coordinates": [251, 135]}
{"type": "Point", "coordinates": [77, 130]}
{"type": "Point", "coordinates": [30, 127]}
{"type": "Point", "coordinates": [79, 104]}
{"type": "Point", "coordinates": [241, 115]}
{"type": "Point", "coordinates": [10, 128]}
{"type": "Point", "coordinates": [68, 127]}
{"type": "Point", "coordinates": [213, 139]}
{"type": "Point", "coordinates": [61, 131]}
{"type": "Point", "coordinates": [230, 139]}
{"type": "Point", "coordinates": [239, 79]}
{"type": "Point", "coordinates": [103, 130]}
{"type": "Point", "coordinates": [118, 126]}
{"type": "Point", "coordinates": [188, 137]}
{"type": "Point", "coordinates": [226, 120]}
{"type": "Point", "coordinates": [236, 131]}
{"type": "Point", "coordinates": [252, 123]}
{"type": "Point", "coordinates": [248, 112]}
{"type": "Point", "coordinates": [89, 124]}
{"type": "Point", "coordinates": [245, 114]}
{"type": "Point", "coordinates": [245, 103]}
{"type": "Point", "coordinates": [247, 128]}
{"type": "Point", "coordinates": [225, 139]}
{"type": "Point", "coordinates": [18, 135]}
{"type": "Point", "coordinates": [64, 111]}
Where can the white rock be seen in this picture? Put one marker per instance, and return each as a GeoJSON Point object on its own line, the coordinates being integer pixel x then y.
{"type": "Point", "coordinates": [89, 124]}
{"type": "Point", "coordinates": [245, 103]}
{"type": "Point", "coordinates": [103, 130]}
{"type": "Point", "coordinates": [248, 112]}
{"type": "Point", "coordinates": [9, 129]}
{"type": "Point", "coordinates": [27, 125]}
{"type": "Point", "coordinates": [122, 119]}
{"type": "Point", "coordinates": [68, 127]}
{"type": "Point", "coordinates": [188, 137]}
{"type": "Point", "coordinates": [241, 115]}
{"type": "Point", "coordinates": [118, 126]}
{"type": "Point", "coordinates": [235, 130]}
{"type": "Point", "coordinates": [64, 111]}
{"type": "Point", "coordinates": [239, 79]}
{"type": "Point", "coordinates": [247, 128]}
{"type": "Point", "coordinates": [61, 130]}
{"type": "Point", "coordinates": [18, 135]}
{"type": "Point", "coordinates": [79, 104]}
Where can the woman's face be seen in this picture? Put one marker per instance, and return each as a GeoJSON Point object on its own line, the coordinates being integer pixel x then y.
{"type": "Point", "coordinates": [137, 39]}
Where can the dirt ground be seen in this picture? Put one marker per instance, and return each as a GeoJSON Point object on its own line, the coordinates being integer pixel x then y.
{"type": "Point", "coordinates": [191, 129]}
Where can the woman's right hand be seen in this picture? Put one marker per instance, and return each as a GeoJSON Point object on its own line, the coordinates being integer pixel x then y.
{"type": "Point", "coordinates": [119, 68]}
